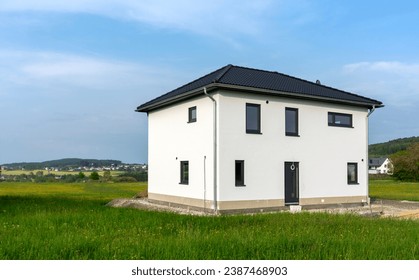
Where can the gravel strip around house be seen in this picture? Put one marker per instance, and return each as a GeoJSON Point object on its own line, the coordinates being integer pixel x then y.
{"type": "Point", "coordinates": [378, 208]}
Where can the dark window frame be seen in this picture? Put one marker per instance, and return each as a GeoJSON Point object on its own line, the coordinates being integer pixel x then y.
{"type": "Point", "coordinates": [184, 172]}
{"type": "Point", "coordinates": [239, 174]}
{"type": "Point", "coordinates": [258, 121]}
{"type": "Point", "coordinates": [355, 181]}
{"type": "Point", "coordinates": [287, 133]}
{"type": "Point", "coordinates": [190, 117]}
{"type": "Point", "coordinates": [332, 122]}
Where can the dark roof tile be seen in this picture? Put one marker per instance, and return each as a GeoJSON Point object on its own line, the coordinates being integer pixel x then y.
{"type": "Point", "coordinates": [263, 80]}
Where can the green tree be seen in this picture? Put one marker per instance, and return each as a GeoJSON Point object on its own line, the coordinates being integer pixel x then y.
{"type": "Point", "coordinates": [94, 175]}
{"type": "Point", "coordinates": [81, 175]}
{"type": "Point", "coordinates": [406, 163]}
{"type": "Point", "coordinates": [107, 175]}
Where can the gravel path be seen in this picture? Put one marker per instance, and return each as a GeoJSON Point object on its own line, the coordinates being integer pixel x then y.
{"type": "Point", "coordinates": [379, 208]}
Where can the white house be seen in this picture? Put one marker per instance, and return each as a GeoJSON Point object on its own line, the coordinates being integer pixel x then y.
{"type": "Point", "coordinates": [242, 139]}
{"type": "Point", "coordinates": [380, 166]}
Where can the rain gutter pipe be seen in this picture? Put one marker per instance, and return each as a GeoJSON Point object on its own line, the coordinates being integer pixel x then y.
{"type": "Point", "coordinates": [367, 163]}
{"type": "Point", "coordinates": [214, 147]}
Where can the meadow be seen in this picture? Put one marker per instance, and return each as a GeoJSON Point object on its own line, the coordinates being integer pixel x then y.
{"type": "Point", "coordinates": [70, 221]}
{"type": "Point", "coordinates": [390, 189]}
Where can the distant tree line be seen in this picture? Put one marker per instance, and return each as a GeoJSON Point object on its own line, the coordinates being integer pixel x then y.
{"type": "Point", "coordinates": [40, 177]}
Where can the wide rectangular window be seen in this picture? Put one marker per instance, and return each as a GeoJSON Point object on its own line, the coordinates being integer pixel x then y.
{"type": "Point", "coordinates": [184, 172]}
{"type": "Point", "coordinates": [252, 118]}
{"type": "Point", "coordinates": [291, 121]}
{"type": "Point", "coordinates": [339, 119]}
{"type": "Point", "coordinates": [239, 173]}
{"type": "Point", "coordinates": [352, 173]}
{"type": "Point", "coordinates": [192, 114]}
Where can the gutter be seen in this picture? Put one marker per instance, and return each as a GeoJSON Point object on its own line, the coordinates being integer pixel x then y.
{"type": "Point", "coordinates": [164, 102]}
{"type": "Point", "coordinates": [214, 147]}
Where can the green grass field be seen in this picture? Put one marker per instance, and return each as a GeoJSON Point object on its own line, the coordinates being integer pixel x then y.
{"type": "Point", "coordinates": [71, 221]}
{"type": "Point", "coordinates": [389, 189]}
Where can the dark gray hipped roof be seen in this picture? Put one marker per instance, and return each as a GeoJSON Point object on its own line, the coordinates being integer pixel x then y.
{"type": "Point", "coordinates": [376, 162]}
{"type": "Point", "coordinates": [260, 81]}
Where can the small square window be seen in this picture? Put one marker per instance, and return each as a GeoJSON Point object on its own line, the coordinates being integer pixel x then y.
{"type": "Point", "coordinates": [239, 173]}
{"type": "Point", "coordinates": [252, 118]}
{"type": "Point", "coordinates": [352, 173]}
{"type": "Point", "coordinates": [184, 172]}
{"type": "Point", "coordinates": [291, 121]}
{"type": "Point", "coordinates": [192, 114]}
{"type": "Point", "coordinates": [339, 119]}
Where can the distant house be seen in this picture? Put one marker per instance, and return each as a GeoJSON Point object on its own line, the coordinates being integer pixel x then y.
{"type": "Point", "coordinates": [241, 139]}
{"type": "Point", "coordinates": [380, 166]}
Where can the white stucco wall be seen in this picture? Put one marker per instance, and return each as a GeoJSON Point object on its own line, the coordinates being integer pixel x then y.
{"type": "Point", "coordinates": [322, 151]}
{"type": "Point", "coordinates": [171, 140]}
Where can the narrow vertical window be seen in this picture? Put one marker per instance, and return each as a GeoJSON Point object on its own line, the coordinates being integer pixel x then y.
{"type": "Point", "coordinates": [192, 114]}
{"type": "Point", "coordinates": [239, 173]}
{"type": "Point", "coordinates": [291, 121]}
{"type": "Point", "coordinates": [352, 173]}
{"type": "Point", "coordinates": [252, 118]}
{"type": "Point", "coordinates": [184, 172]}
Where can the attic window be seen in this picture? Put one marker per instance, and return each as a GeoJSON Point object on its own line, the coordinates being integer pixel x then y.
{"type": "Point", "coordinates": [192, 114]}
{"type": "Point", "coordinates": [339, 119]}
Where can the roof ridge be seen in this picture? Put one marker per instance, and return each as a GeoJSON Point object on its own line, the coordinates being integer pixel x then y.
{"type": "Point", "coordinates": [227, 68]}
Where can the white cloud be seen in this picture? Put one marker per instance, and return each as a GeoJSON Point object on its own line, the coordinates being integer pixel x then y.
{"type": "Point", "coordinates": [64, 71]}
{"type": "Point", "coordinates": [391, 67]}
{"type": "Point", "coordinates": [89, 101]}
{"type": "Point", "coordinates": [217, 18]}
{"type": "Point", "coordinates": [395, 82]}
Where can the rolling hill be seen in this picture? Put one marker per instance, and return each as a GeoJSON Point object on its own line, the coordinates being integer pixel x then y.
{"type": "Point", "coordinates": [388, 148]}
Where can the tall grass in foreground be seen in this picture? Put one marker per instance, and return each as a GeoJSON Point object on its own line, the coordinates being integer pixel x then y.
{"type": "Point", "coordinates": [79, 226]}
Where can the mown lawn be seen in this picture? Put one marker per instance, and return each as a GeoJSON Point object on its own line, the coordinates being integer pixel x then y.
{"type": "Point", "coordinates": [71, 221]}
{"type": "Point", "coordinates": [395, 190]}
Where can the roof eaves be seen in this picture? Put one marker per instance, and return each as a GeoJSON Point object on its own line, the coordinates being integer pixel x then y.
{"type": "Point", "coordinates": [148, 107]}
{"type": "Point", "coordinates": [377, 104]}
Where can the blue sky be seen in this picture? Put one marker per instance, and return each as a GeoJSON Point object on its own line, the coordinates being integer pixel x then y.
{"type": "Point", "coordinates": [73, 72]}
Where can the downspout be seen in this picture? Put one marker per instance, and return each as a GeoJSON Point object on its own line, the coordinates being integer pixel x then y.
{"type": "Point", "coordinates": [367, 160]}
{"type": "Point", "coordinates": [214, 147]}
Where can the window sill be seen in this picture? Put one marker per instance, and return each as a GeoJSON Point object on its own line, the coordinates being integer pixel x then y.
{"type": "Point", "coordinates": [183, 183]}
{"type": "Point", "coordinates": [351, 184]}
{"type": "Point", "coordinates": [240, 185]}
{"type": "Point", "coordinates": [251, 132]}
{"type": "Point", "coordinates": [292, 135]}
{"type": "Point", "coordinates": [336, 125]}
{"type": "Point", "coordinates": [191, 122]}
